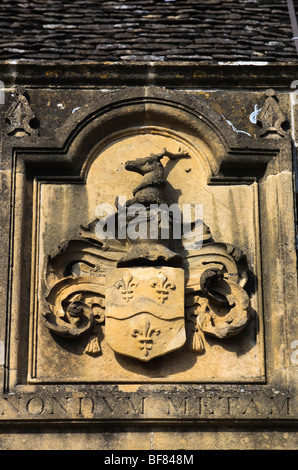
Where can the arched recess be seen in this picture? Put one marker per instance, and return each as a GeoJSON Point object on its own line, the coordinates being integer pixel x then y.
{"type": "Point", "coordinates": [58, 211]}
{"type": "Point", "coordinates": [131, 110]}
{"type": "Point", "coordinates": [117, 128]}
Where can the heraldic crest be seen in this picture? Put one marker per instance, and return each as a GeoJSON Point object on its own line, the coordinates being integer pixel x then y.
{"type": "Point", "coordinates": [147, 296]}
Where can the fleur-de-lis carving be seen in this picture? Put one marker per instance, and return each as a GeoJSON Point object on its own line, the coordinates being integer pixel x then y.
{"type": "Point", "coordinates": [162, 286]}
{"type": "Point", "coordinates": [145, 337]}
{"type": "Point", "coordinates": [126, 286]}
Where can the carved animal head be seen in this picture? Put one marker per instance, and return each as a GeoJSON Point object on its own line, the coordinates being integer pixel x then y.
{"type": "Point", "coordinates": [145, 165]}
{"type": "Point", "coordinates": [153, 162]}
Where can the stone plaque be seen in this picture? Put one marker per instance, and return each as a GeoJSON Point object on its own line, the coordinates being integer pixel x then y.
{"type": "Point", "coordinates": [117, 281]}
{"type": "Point", "coordinates": [148, 261]}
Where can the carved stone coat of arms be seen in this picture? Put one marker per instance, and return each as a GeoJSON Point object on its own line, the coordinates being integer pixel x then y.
{"type": "Point", "coordinates": [147, 296]}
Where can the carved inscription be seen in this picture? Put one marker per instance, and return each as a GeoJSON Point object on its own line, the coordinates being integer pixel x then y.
{"type": "Point", "coordinates": [66, 406]}
{"type": "Point", "coordinates": [230, 406]}
{"type": "Point", "coordinates": [140, 406]}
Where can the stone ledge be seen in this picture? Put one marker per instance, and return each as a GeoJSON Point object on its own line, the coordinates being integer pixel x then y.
{"type": "Point", "coordinates": [76, 74]}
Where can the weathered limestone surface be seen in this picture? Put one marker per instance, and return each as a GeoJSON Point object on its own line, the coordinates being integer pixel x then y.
{"type": "Point", "coordinates": [165, 341]}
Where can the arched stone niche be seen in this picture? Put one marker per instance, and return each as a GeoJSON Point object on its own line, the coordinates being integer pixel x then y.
{"type": "Point", "coordinates": [145, 122]}
{"type": "Point", "coordinates": [129, 125]}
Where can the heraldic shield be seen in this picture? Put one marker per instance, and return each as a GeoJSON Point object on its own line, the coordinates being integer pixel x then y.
{"type": "Point", "coordinates": [145, 311]}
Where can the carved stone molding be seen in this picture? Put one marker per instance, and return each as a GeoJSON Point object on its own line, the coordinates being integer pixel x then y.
{"type": "Point", "coordinates": [271, 119]}
{"type": "Point", "coordinates": [20, 117]}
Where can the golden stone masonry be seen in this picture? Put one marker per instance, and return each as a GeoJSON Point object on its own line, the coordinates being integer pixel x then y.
{"type": "Point", "coordinates": [148, 258]}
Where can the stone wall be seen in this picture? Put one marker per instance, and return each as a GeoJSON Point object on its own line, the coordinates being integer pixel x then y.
{"type": "Point", "coordinates": [125, 344]}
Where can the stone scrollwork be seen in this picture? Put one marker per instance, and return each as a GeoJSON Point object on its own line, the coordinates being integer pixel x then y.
{"type": "Point", "coordinates": [76, 307]}
{"type": "Point", "coordinates": [217, 303]}
{"type": "Point", "coordinates": [221, 317]}
{"type": "Point", "coordinates": [229, 316]}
